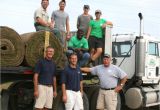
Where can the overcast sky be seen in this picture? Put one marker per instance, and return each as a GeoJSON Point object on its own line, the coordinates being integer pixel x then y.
{"type": "Point", "coordinates": [18, 14]}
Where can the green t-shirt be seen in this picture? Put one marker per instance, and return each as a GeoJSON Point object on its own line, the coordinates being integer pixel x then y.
{"type": "Point", "coordinates": [74, 42]}
{"type": "Point", "coordinates": [96, 27]}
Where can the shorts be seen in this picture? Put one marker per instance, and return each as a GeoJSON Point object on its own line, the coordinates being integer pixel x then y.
{"type": "Point", "coordinates": [74, 100]}
{"type": "Point", "coordinates": [95, 42]}
{"type": "Point", "coordinates": [107, 99]}
{"type": "Point", "coordinates": [45, 98]}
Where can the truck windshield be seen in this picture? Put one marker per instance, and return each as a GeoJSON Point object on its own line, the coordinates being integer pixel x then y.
{"type": "Point", "coordinates": [153, 49]}
{"type": "Point", "coordinates": [121, 49]}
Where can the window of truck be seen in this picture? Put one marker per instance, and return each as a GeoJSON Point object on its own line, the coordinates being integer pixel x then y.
{"type": "Point", "coordinates": [153, 49]}
{"type": "Point", "coordinates": [121, 49]}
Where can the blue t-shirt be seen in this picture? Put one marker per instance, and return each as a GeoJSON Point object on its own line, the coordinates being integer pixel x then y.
{"type": "Point", "coordinates": [46, 70]}
{"type": "Point", "coordinates": [71, 77]}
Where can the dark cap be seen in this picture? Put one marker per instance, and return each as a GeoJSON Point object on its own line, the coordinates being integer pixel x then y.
{"type": "Point", "coordinates": [98, 11]}
{"type": "Point", "coordinates": [106, 56]}
{"type": "Point", "coordinates": [86, 6]}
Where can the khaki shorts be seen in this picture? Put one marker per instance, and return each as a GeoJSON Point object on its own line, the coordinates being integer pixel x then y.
{"type": "Point", "coordinates": [45, 98]}
{"type": "Point", "coordinates": [74, 100]}
{"type": "Point", "coordinates": [107, 99]}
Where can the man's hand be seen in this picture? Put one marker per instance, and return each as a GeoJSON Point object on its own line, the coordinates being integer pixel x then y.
{"type": "Point", "coordinates": [118, 88]}
{"type": "Point", "coordinates": [68, 36]}
{"type": "Point", "coordinates": [82, 93]}
{"type": "Point", "coordinates": [104, 25]}
{"type": "Point", "coordinates": [51, 26]}
{"type": "Point", "coordinates": [36, 93]}
{"type": "Point", "coordinates": [64, 98]}
{"type": "Point", "coordinates": [55, 93]}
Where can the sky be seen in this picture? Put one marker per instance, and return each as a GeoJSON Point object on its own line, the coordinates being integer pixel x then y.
{"type": "Point", "coordinates": [18, 14]}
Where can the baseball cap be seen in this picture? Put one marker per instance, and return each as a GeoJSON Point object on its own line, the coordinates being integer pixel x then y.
{"type": "Point", "coordinates": [86, 6]}
{"type": "Point", "coordinates": [98, 11]}
{"type": "Point", "coordinates": [106, 56]}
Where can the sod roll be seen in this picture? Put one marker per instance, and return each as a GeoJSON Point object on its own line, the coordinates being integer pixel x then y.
{"type": "Point", "coordinates": [12, 47]}
{"type": "Point", "coordinates": [34, 47]}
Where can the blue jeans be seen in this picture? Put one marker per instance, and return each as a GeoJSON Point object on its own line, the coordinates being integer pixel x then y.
{"type": "Point", "coordinates": [61, 36]}
{"type": "Point", "coordinates": [81, 61]}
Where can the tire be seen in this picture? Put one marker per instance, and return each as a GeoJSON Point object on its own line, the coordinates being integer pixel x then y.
{"type": "Point", "coordinates": [85, 102]}
{"type": "Point", "coordinates": [93, 99]}
{"type": "Point", "coordinates": [21, 96]}
{"type": "Point", "coordinates": [59, 105]}
{"type": "Point", "coordinates": [119, 102]}
{"type": "Point", "coordinates": [90, 91]}
{"type": "Point", "coordinates": [57, 102]}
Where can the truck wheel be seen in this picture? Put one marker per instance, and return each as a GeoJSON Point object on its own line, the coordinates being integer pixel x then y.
{"type": "Point", "coordinates": [118, 102]}
{"type": "Point", "coordinates": [59, 105]}
{"type": "Point", "coordinates": [93, 99]}
{"type": "Point", "coordinates": [57, 102]}
{"type": "Point", "coordinates": [90, 91]}
{"type": "Point", "coordinates": [21, 96]}
{"type": "Point", "coordinates": [85, 102]}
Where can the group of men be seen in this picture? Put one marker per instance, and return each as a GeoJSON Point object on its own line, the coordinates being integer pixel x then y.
{"type": "Point", "coordinates": [89, 31]}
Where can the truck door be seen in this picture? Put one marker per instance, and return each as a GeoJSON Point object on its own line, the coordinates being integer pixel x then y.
{"type": "Point", "coordinates": [153, 60]}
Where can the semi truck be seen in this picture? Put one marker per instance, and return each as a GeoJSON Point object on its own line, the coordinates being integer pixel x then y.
{"type": "Point", "coordinates": [137, 55]}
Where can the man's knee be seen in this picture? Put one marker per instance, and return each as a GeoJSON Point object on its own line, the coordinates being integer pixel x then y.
{"type": "Point", "coordinates": [86, 55]}
{"type": "Point", "coordinates": [99, 50]}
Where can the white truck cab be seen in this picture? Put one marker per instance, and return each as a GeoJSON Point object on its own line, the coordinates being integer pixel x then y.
{"type": "Point", "coordinates": [139, 57]}
{"type": "Point", "coordinates": [125, 50]}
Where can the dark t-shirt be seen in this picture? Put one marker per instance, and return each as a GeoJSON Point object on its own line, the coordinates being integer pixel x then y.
{"type": "Point", "coordinates": [46, 70]}
{"type": "Point", "coordinates": [71, 77]}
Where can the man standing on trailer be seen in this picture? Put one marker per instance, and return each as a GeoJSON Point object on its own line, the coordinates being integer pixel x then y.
{"type": "Point", "coordinates": [41, 17]}
{"type": "Point", "coordinates": [60, 20]}
{"type": "Point", "coordinates": [72, 85]}
{"type": "Point", "coordinates": [45, 81]}
{"type": "Point", "coordinates": [108, 75]}
{"type": "Point", "coordinates": [83, 20]}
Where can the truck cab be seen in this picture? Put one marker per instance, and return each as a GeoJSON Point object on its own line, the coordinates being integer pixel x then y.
{"type": "Point", "coordinates": [139, 57]}
{"type": "Point", "coordinates": [124, 50]}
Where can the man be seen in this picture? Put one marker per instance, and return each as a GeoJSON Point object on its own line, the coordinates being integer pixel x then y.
{"type": "Point", "coordinates": [79, 44]}
{"type": "Point", "coordinates": [41, 17]}
{"type": "Point", "coordinates": [108, 75]}
{"type": "Point", "coordinates": [83, 20]}
{"type": "Point", "coordinates": [60, 19]}
{"type": "Point", "coordinates": [72, 85]}
{"type": "Point", "coordinates": [45, 81]}
{"type": "Point", "coordinates": [95, 35]}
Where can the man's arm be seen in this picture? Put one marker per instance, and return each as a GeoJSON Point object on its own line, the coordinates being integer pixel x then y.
{"type": "Point", "coordinates": [107, 23]}
{"type": "Point", "coordinates": [88, 32]}
{"type": "Point", "coordinates": [67, 26]}
{"type": "Point", "coordinates": [81, 87]}
{"type": "Point", "coordinates": [85, 69]}
{"type": "Point", "coordinates": [64, 94]}
{"type": "Point", "coordinates": [78, 22]}
{"type": "Point", "coordinates": [52, 23]}
{"type": "Point", "coordinates": [122, 83]}
{"type": "Point", "coordinates": [54, 87]}
{"type": "Point", "coordinates": [42, 22]}
{"type": "Point", "coordinates": [35, 81]}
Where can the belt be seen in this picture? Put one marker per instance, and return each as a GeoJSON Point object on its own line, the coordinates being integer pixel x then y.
{"type": "Point", "coordinates": [73, 90]}
{"type": "Point", "coordinates": [49, 85]}
{"type": "Point", "coordinates": [107, 88]}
